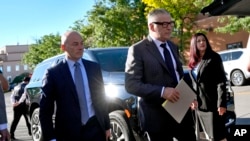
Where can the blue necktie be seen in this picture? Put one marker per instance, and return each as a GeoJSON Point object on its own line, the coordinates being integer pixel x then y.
{"type": "Point", "coordinates": [81, 93]}
{"type": "Point", "coordinates": [169, 62]}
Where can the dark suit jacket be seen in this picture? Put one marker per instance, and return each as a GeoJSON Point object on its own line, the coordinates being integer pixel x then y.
{"type": "Point", "coordinates": [3, 116]}
{"type": "Point", "coordinates": [59, 87]}
{"type": "Point", "coordinates": [211, 82]}
{"type": "Point", "coordinates": [146, 75]}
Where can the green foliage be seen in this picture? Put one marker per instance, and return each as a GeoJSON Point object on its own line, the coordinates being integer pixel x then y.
{"type": "Point", "coordinates": [114, 23]}
{"type": "Point", "coordinates": [47, 46]}
{"type": "Point", "coordinates": [233, 24]}
{"type": "Point", "coordinates": [121, 23]}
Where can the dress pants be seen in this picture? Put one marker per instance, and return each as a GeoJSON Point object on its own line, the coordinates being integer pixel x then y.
{"type": "Point", "coordinates": [92, 131]}
{"type": "Point", "coordinates": [18, 112]}
{"type": "Point", "coordinates": [185, 131]}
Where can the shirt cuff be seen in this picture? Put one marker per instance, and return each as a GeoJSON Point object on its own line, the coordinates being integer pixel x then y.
{"type": "Point", "coordinates": [3, 126]}
{"type": "Point", "coordinates": [162, 90]}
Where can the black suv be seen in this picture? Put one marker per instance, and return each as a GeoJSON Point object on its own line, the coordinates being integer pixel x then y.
{"type": "Point", "coordinates": [123, 106]}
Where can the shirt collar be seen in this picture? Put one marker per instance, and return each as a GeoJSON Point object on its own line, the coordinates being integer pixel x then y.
{"type": "Point", "coordinates": [72, 63]}
{"type": "Point", "coordinates": [157, 42]}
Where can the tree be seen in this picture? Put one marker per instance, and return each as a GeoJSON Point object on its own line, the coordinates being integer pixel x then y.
{"type": "Point", "coordinates": [47, 46]}
{"type": "Point", "coordinates": [114, 23]}
{"type": "Point", "coordinates": [87, 31]}
{"type": "Point", "coordinates": [233, 24]}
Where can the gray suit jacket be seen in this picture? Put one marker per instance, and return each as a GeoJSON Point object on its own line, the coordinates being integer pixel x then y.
{"type": "Point", "coordinates": [146, 75]}
{"type": "Point", "coordinates": [3, 116]}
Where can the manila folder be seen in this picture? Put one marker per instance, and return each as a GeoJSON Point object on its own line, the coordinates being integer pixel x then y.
{"type": "Point", "coordinates": [178, 109]}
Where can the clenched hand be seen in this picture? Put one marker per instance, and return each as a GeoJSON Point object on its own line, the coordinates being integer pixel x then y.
{"type": "Point", "coordinates": [171, 94]}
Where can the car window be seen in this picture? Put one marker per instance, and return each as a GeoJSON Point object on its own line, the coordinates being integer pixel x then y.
{"type": "Point", "coordinates": [86, 56]}
{"type": "Point", "coordinates": [236, 55]}
{"type": "Point", "coordinates": [39, 72]}
{"type": "Point", "coordinates": [57, 61]}
{"type": "Point", "coordinates": [111, 60]}
{"type": "Point", "coordinates": [225, 57]}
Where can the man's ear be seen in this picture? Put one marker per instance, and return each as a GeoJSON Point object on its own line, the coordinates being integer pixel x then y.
{"type": "Point", "coordinates": [63, 47]}
{"type": "Point", "coordinates": [151, 27]}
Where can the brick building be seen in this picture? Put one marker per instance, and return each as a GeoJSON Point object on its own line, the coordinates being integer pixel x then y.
{"type": "Point", "coordinates": [218, 41]}
{"type": "Point", "coordinates": [221, 41]}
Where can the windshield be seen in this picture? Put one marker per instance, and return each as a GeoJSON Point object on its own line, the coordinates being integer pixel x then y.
{"type": "Point", "coordinates": [112, 60]}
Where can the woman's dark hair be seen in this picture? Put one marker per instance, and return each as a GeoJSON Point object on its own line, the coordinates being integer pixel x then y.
{"type": "Point", "coordinates": [194, 52]}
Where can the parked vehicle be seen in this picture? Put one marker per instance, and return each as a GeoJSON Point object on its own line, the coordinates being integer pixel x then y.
{"type": "Point", "coordinates": [11, 86]}
{"type": "Point", "coordinates": [235, 64]}
{"type": "Point", "coordinates": [123, 107]}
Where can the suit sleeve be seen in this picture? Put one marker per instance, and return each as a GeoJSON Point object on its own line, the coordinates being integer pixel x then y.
{"type": "Point", "coordinates": [98, 96]}
{"type": "Point", "coordinates": [3, 116]}
{"type": "Point", "coordinates": [135, 82]}
{"type": "Point", "coordinates": [47, 107]}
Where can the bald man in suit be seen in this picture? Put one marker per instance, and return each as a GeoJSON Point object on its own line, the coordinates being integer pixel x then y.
{"type": "Point", "coordinates": [60, 86]}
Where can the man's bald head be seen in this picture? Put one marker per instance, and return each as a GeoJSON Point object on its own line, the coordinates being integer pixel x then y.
{"type": "Point", "coordinates": [66, 35]}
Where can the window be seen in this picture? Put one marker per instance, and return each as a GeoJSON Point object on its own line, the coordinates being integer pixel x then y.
{"type": "Point", "coordinates": [236, 55]}
{"type": "Point", "coordinates": [17, 68]}
{"type": "Point", "coordinates": [225, 57]}
{"type": "Point", "coordinates": [112, 60]}
{"type": "Point", "coordinates": [25, 67]}
{"type": "Point", "coordinates": [234, 45]}
{"type": "Point", "coordinates": [39, 72]}
{"type": "Point", "coordinates": [8, 68]}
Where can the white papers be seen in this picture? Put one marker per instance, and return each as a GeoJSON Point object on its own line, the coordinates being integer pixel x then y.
{"type": "Point", "coordinates": [178, 109]}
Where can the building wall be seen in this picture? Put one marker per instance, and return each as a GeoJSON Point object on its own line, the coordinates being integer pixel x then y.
{"type": "Point", "coordinates": [10, 61]}
{"type": "Point", "coordinates": [219, 41]}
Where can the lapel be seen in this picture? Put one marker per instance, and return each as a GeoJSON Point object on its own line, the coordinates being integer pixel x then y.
{"type": "Point", "coordinates": [177, 61]}
{"type": "Point", "coordinates": [152, 48]}
{"type": "Point", "coordinates": [68, 78]}
{"type": "Point", "coordinates": [89, 72]}
{"type": "Point", "coordinates": [201, 68]}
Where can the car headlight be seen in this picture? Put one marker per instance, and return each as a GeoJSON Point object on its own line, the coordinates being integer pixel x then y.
{"type": "Point", "coordinates": [111, 90]}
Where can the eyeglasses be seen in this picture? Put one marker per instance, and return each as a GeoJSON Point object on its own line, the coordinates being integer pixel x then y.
{"type": "Point", "coordinates": [165, 24]}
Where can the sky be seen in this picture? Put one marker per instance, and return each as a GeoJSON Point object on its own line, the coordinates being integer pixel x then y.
{"type": "Point", "coordinates": [24, 21]}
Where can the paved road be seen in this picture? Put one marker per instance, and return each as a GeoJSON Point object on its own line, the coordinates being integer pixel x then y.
{"type": "Point", "coordinates": [242, 104]}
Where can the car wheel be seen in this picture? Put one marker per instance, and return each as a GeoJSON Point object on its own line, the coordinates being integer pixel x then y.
{"type": "Point", "coordinates": [237, 78]}
{"type": "Point", "coordinates": [119, 126]}
{"type": "Point", "coordinates": [36, 126]}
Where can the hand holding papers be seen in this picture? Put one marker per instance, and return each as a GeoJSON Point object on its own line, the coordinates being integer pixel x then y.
{"type": "Point", "coordinates": [178, 109]}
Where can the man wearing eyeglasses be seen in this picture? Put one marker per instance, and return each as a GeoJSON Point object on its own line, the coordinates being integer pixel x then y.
{"type": "Point", "coordinates": [153, 69]}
